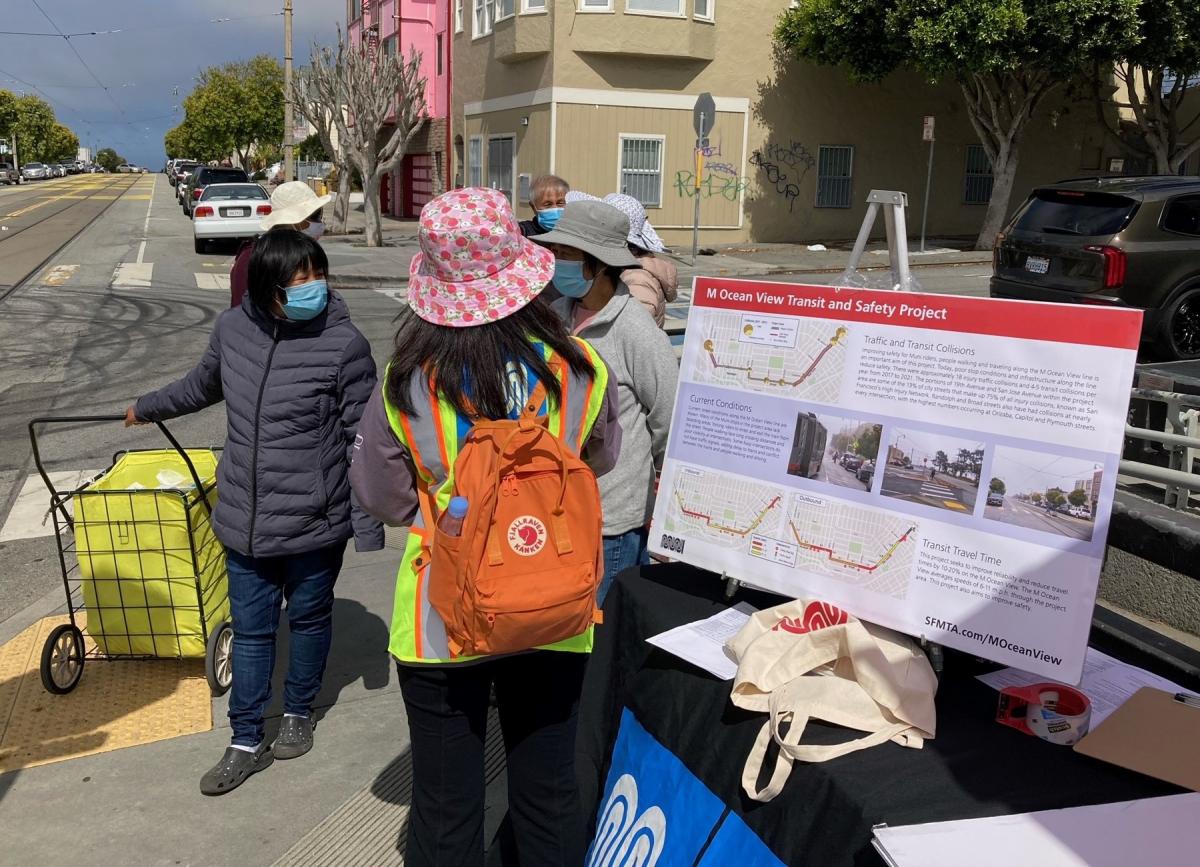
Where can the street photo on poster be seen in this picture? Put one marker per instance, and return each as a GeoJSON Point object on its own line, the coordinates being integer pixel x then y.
{"type": "Point", "coordinates": [835, 449]}
{"type": "Point", "coordinates": [1048, 493]}
{"type": "Point", "coordinates": [935, 470]}
{"type": "Point", "coordinates": [939, 465]}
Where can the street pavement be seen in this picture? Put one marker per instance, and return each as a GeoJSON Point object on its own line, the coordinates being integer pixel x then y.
{"type": "Point", "coordinates": [1023, 514]}
{"type": "Point", "coordinates": [835, 474]}
{"type": "Point", "coordinates": [941, 491]}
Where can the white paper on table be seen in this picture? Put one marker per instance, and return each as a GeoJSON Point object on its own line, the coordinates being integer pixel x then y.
{"type": "Point", "coordinates": [703, 643]}
{"type": "Point", "coordinates": [1164, 832]}
{"type": "Point", "coordinates": [1107, 682]}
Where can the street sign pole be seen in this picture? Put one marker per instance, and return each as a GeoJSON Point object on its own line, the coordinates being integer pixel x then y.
{"type": "Point", "coordinates": [928, 135]}
{"type": "Point", "coordinates": [699, 167]}
{"type": "Point", "coordinates": [704, 116]}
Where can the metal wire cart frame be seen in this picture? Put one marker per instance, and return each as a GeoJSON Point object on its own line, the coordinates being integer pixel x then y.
{"type": "Point", "coordinates": [139, 561]}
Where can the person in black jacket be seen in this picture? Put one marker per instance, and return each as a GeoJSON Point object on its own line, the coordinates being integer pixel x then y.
{"type": "Point", "coordinates": [294, 374]}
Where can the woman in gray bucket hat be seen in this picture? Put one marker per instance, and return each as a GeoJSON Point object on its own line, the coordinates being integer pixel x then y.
{"type": "Point", "coordinates": [591, 252]}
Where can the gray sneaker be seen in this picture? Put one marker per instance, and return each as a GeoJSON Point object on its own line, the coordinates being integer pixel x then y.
{"type": "Point", "coordinates": [295, 737]}
{"type": "Point", "coordinates": [233, 769]}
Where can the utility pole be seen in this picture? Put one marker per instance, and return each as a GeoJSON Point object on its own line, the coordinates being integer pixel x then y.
{"type": "Point", "coordinates": [288, 155]}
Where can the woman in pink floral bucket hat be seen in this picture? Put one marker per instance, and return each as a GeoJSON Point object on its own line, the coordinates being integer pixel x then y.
{"type": "Point", "coordinates": [478, 329]}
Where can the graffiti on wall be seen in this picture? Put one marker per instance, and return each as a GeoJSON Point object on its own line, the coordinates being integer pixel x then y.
{"type": "Point", "coordinates": [714, 183]}
{"type": "Point", "coordinates": [785, 167]}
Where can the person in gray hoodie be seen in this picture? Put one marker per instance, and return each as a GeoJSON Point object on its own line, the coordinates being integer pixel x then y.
{"type": "Point", "coordinates": [589, 245]}
{"type": "Point", "coordinates": [295, 375]}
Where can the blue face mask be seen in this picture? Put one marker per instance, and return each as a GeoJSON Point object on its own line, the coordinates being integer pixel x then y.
{"type": "Point", "coordinates": [549, 218]}
{"type": "Point", "coordinates": [569, 279]}
{"type": "Point", "coordinates": [306, 301]}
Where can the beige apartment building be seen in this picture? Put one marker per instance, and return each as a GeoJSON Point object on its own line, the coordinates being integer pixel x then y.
{"type": "Point", "coordinates": [602, 91]}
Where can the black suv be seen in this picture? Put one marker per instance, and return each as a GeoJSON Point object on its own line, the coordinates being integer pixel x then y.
{"type": "Point", "coordinates": [202, 177]}
{"type": "Point", "coordinates": [1120, 242]}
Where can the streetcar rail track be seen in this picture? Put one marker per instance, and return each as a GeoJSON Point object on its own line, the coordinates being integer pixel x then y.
{"type": "Point", "coordinates": [23, 280]}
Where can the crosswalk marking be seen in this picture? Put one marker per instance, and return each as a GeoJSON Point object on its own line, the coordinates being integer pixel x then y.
{"type": "Point", "coordinates": [936, 490]}
{"type": "Point", "coordinates": [212, 281]}
{"type": "Point", "coordinates": [30, 518]}
{"type": "Point", "coordinates": [400, 296]}
{"type": "Point", "coordinates": [133, 275]}
{"type": "Point", "coordinates": [59, 275]}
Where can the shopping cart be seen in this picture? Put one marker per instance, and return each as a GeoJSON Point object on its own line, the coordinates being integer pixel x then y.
{"type": "Point", "coordinates": [139, 560]}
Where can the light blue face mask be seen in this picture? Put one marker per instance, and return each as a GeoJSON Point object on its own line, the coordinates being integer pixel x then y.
{"type": "Point", "coordinates": [306, 301]}
{"type": "Point", "coordinates": [549, 218]}
{"type": "Point", "coordinates": [569, 279]}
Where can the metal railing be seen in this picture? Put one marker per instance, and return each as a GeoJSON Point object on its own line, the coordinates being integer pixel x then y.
{"type": "Point", "coordinates": [1177, 477]}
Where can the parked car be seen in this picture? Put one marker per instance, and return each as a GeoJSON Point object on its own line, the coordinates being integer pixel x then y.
{"type": "Point", "coordinates": [866, 472]}
{"type": "Point", "coordinates": [1079, 512]}
{"type": "Point", "coordinates": [852, 462]}
{"type": "Point", "coordinates": [180, 172]}
{"type": "Point", "coordinates": [995, 498]}
{"type": "Point", "coordinates": [203, 177]}
{"type": "Point", "coordinates": [228, 211]}
{"type": "Point", "coordinates": [126, 169]}
{"type": "Point", "coordinates": [1117, 242]}
{"type": "Point", "coordinates": [36, 171]}
{"type": "Point", "coordinates": [9, 174]}
{"type": "Point", "coordinates": [68, 167]}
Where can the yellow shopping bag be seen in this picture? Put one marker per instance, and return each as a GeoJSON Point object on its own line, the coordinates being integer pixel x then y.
{"type": "Point", "coordinates": [152, 570]}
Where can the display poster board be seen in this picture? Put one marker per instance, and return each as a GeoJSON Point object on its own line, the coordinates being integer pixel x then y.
{"type": "Point", "coordinates": [941, 465]}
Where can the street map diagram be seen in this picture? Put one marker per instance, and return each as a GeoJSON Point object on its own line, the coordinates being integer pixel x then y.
{"type": "Point", "coordinates": [791, 356]}
{"type": "Point", "coordinates": [871, 549]}
{"type": "Point", "coordinates": [724, 510]}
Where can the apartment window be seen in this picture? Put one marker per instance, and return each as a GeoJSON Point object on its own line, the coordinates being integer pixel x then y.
{"type": "Point", "coordinates": [501, 157]}
{"type": "Point", "coordinates": [835, 170]}
{"type": "Point", "coordinates": [505, 9]}
{"type": "Point", "coordinates": [438, 54]}
{"type": "Point", "coordinates": [977, 181]}
{"type": "Point", "coordinates": [704, 9]}
{"type": "Point", "coordinates": [656, 7]}
{"type": "Point", "coordinates": [356, 9]}
{"type": "Point", "coordinates": [485, 14]}
{"type": "Point", "coordinates": [641, 168]}
{"type": "Point", "coordinates": [475, 162]}
{"type": "Point", "coordinates": [533, 5]}
{"type": "Point", "coordinates": [595, 5]}
{"type": "Point", "coordinates": [389, 46]}
{"type": "Point", "coordinates": [458, 18]}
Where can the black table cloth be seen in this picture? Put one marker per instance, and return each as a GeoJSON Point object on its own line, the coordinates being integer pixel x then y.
{"type": "Point", "coordinates": [974, 767]}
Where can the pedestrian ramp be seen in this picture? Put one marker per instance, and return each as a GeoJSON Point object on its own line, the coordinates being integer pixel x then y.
{"type": "Point", "coordinates": [29, 517]}
{"type": "Point", "coordinates": [370, 829]}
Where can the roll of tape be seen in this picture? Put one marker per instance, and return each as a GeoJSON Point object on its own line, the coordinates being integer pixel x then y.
{"type": "Point", "coordinates": [1053, 712]}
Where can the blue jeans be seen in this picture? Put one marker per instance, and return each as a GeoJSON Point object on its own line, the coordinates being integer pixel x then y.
{"type": "Point", "coordinates": [620, 553]}
{"type": "Point", "coordinates": [257, 586]}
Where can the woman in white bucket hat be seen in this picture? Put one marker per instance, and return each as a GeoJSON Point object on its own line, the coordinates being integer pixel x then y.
{"type": "Point", "coordinates": [293, 206]}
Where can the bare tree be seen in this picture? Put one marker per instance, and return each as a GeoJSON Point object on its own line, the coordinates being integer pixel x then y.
{"type": "Point", "coordinates": [1157, 98]}
{"type": "Point", "coordinates": [365, 93]}
{"type": "Point", "coordinates": [307, 94]}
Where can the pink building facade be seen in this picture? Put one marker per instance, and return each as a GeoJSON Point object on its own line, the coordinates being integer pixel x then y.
{"type": "Point", "coordinates": [401, 26]}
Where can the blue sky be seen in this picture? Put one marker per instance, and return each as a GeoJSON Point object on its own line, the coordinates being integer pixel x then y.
{"type": "Point", "coordinates": [162, 46]}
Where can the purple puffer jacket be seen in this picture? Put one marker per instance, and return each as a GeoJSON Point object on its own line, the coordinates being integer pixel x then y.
{"type": "Point", "coordinates": [294, 393]}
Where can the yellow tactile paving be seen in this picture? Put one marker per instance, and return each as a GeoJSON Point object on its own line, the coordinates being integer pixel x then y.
{"type": "Point", "coordinates": [117, 704]}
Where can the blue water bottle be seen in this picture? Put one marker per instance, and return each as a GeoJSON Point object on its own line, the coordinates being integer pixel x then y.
{"type": "Point", "coordinates": [451, 522]}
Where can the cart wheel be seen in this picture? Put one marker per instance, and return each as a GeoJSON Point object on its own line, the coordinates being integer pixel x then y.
{"type": "Point", "coordinates": [62, 659]}
{"type": "Point", "coordinates": [218, 661]}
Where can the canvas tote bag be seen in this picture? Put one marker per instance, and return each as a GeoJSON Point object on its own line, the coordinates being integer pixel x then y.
{"type": "Point", "coordinates": [809, 660]}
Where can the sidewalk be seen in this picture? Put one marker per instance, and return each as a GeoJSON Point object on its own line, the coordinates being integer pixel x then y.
{"type": "Point", "coordinates": [349, 795]}
{"type": "Point", "coordinates": [356, 266]}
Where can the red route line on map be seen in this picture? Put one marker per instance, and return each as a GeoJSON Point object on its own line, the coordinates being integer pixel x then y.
{"type": "Point", "coordinates": [749, 371]}
{"type": "Point", "coordinates": [708, 518]}
{"type": "Point", "coordinates": [828, 552]}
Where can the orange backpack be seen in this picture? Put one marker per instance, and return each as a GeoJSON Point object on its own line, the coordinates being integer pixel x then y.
{"type": "Point", "coordinates": [526, 567]}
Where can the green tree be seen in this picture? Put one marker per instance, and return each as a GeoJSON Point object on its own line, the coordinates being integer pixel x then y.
{"type": "Point", "coordinates": [34, 125]}
{"type": "Point", "coordinates": [1006, 56]}
{"type": "Point", "coordinates": [941, 460]}
{"type": "Point", "coordinates": [232, 108]}
{"type": "Point", "coordinates": [109, 159]}
{"type": "Point", "coordinates": [61, 144]}
{"type": "Point", "coordinates": [8, 112]}
{"type": "Point", "coordinates": [997, 486]}
{"type": "Point", "coordinates": [1055, 497]}
{"type": "Point", "coordinates": [1156, 70]}
{"type": "Point", "coordinates": [1077, 497]}
{"type": "Point", "coordinates": [312, 149]}
{"type": "Point", "coordinates": [1036, 497]}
